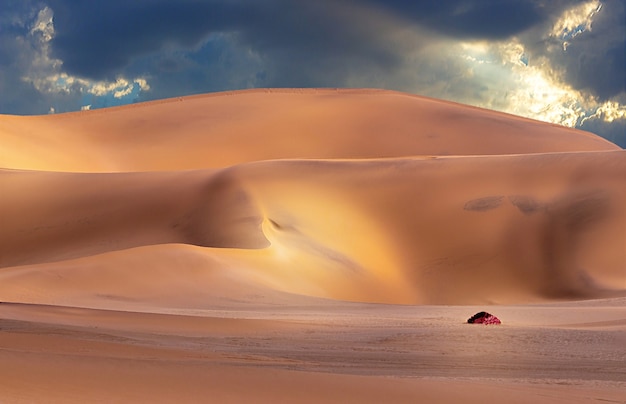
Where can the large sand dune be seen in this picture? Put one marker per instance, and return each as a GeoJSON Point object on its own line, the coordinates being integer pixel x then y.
{"type": "Point", "coordinates": [209, 210]}
{"type": "Point", "coordinates": [211, 131]}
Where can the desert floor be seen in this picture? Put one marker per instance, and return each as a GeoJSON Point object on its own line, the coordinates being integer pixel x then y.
{"type": "Point", "coordinates": [315, 351]}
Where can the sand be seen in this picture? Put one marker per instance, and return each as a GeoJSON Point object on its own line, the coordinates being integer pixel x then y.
{"type": "Point", "coordinates": [316, 245]}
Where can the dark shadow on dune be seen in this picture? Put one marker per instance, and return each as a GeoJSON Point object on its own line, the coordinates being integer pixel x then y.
{"type": "Point", "coordinates": [568, 217]}
{"type": "Point", "coordinates": [484, 204]}
{"type": "Point", "coordinates": [225, 217]}
{"type": "Point", "coordinates": [526, 204]}
{"type": "Point", "coordinates": [99, 213]}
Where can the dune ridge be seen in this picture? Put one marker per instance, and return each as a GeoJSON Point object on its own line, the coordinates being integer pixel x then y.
{"type": "Point", "coordinates": [217, 131]}
{"type": "Point", "coordinates": [373, 195]}
{"type": "Point", "coordinates": [555, 233]}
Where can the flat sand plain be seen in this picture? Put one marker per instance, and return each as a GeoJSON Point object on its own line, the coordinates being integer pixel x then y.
{"type": "Point", "coordinates": [314, 245]}
{"type": "Point", "coordinates": [315, 351]}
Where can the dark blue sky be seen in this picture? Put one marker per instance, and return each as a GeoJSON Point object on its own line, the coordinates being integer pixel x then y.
{"type": "Point", "coordinates": [555, 60]}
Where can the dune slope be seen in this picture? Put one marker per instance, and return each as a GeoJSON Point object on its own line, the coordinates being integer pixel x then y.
{"type": "Point", "coordinates": [372, 209]}
{"type": "Point", "coordinates": [397, 230]}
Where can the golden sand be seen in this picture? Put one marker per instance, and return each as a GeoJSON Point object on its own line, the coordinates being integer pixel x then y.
{"type": "Point", "coordinates": [309, 246]}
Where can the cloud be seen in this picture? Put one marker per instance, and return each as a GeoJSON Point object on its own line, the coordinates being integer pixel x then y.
{"type": "Point", "coordinates": [217, 64]}
{"type": "Point", "coordinates": [609, 120]}
{"type": "Point", "coordinates": [99, 40]}
{"type": "Point", "coordinates": [33, 81]}
{"type": "Point", "coordinates": [596, 59]}
{"type": "Point", "coordinates": [614, 131]}
{"type": "Point", "coordinates": [586, 46]}
{"type": "Point", "coordinates": [20, 54]}
{"type": "Point", "coordinates": [469, 19]}
{"type": "Point", "coordinates": [325, 43]}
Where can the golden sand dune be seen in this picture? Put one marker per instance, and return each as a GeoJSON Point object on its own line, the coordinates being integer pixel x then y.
{"type": "Point", "coordinates": [395, 230]}
{"type": "Point", "coordinates": [224, 129]}
{"type": "Point", "coordinates": [253, 212]}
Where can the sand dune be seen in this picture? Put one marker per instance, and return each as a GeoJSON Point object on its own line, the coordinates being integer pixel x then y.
{"type": "Point", "coordinates": [248, 214]}
{"type": "Point", "coordinates": [212, 131]}
{"type": "Point", "coordinates": [396, 231]}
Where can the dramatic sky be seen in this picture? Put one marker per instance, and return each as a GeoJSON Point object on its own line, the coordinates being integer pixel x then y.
{"type": "Point", "coordinates": [559, 61]}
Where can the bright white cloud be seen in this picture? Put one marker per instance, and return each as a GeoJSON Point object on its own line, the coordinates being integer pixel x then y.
{"type": "Point", "coordinates": [608, 112]}
{"type": "Point", "coordinates": [46, 75]}
{"type": "Point", "coordinates": [575, 21]}
{"type": "Point", "coordinates": [44, 25]}
{"type": "Point", "coordinates": [119, 88]}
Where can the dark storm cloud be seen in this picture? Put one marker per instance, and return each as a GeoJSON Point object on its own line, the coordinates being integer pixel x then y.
{"type": "Point", "coordinates": [614, 131]}
{"type": "Point", "coordinates": [480, 19]}
{"type": "Point", "coordinates": [98, 39]}
{"type": "Point", "coordinates": [593, 61]}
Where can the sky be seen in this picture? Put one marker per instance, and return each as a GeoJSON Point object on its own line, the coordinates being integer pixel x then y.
{"type": "Point", "coordinates": [559, 61]}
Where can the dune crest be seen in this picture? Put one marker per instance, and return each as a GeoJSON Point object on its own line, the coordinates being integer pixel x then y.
{"type": "Point", "coordinates": [225, 129]}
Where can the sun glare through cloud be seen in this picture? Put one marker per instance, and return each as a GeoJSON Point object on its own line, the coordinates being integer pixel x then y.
{"type": "Point", "coordinates": [534, 88]}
